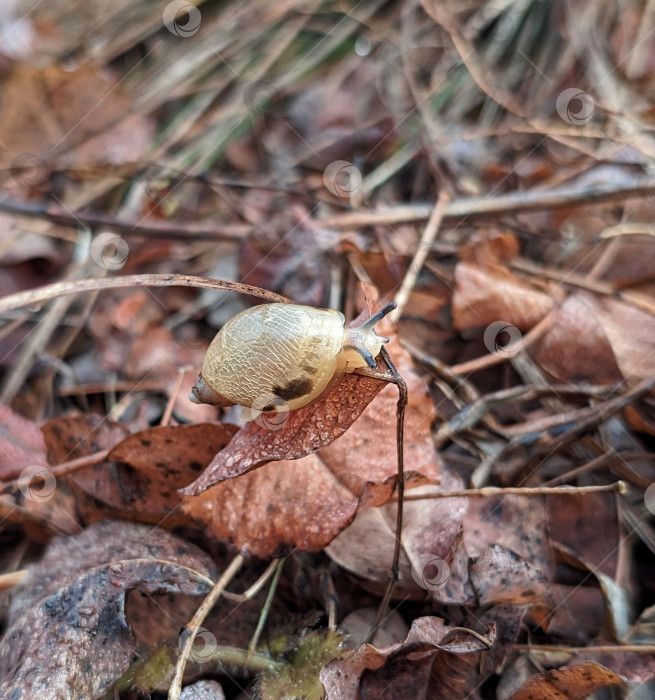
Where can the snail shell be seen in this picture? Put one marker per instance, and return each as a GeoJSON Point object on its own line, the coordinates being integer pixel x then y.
{"type": "Point", "coordinates": [276, 357]}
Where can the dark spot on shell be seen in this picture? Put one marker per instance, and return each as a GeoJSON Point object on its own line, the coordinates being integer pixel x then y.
{"type": "Point", "coordinates": [269, 407]}
{"type": "Point", "coordinates": [294, 389]}
{"type": "Point", "coordinates": [308, 369]}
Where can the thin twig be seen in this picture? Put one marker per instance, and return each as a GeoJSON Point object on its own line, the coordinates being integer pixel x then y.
{"type": "Point", "coordinates": [60, 289]}
{"type": "Point", "coordinates": [177, 230]}
{"type": "Point", "coordinates": [491, 491]}
{"type": "Point", "coordinates": [197, 620]}
{"type": "Point", "coordinates": [420, 256]}
{"type": "Point", "coordinates": [510, 203]}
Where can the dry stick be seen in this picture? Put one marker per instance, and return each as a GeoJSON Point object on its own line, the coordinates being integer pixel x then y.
{"type": "Point", "coordinates": [586, 420]}
{"type": "Point", "coordinates": [11, 579]}
{"type": "Point", "coordinates": [59, 289]}
{"type": "Point", "coordinates": [59, 470]}
{"type": "Point", "coordinates": [490, 491]}
{"type": "Point", "coordinates": [118, 386]}
{"type": "Point", "coordinates": [474, 412]}
{"type": "Point", "coordinates": [394, 377]}
{"type": "Point", "coordinates": [602, 649]}
{"type": "Point", "coordinates": [160, 229]}
{"type": "Point", "coordinates": [494, 359]}
{"type": "Point", "coordinates": [263, 615]}
{"type": "Point", "coordinates": [511, 203]}
{"type": "Point", "coordinates": [255, 588]}
{"type": "Point", "coordinates": [198, 619]}
{"type": "Point", "coordinates": [466, 207]}
{"type": "Point", "coordinates": [427, 239]}
{"type": "Point", "coordinates": [168, 412]}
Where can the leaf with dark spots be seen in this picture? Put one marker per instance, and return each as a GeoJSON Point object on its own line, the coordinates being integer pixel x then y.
{"type": "Point", "coordinates": [67, 629]}
{"type": "Point", "coordinates": [72, 437]}
{"type": "Point", "coordinates": [304, 431]}
{"type": "Point", "coordinates": [144, 470]}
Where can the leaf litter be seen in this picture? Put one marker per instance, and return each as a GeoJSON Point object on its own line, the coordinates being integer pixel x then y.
{"type": "Point", "coordinates": [303, 152]}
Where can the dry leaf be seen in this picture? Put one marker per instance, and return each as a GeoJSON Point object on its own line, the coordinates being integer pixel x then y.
{"type": "Point", "coordinates": [568, 683]}
{"type": "Point", "coordinates": [67, 628]}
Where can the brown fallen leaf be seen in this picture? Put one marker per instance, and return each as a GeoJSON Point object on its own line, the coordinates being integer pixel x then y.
{"type": "Point", "coordinates": [140, 476]}
{"type": "Point", "coordinates": [599, 340]}
{"type": "Point", "coordinates": [21, 444]}
{"type": "Point", "coordinates": [568, 683]}
{"type": "Point", "coordinates": [484, 295]}
{"type": "Point", "coordinates": [487, 291]}
{"type": "Point", "coordinates": [41, 503]}
{"type": "Point", "coordinates": [433, 662]}
{"type": "Point", "coordinates": [52, 109]}
{"type": "Point", "coordinates": [67, 627]}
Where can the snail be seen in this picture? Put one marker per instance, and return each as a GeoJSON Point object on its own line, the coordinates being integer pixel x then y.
{"type": "Point", "coordinates": [279, 357]}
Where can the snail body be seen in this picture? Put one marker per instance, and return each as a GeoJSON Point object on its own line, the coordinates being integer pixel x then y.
{"type": "Point", "coordinates": [275, 357]}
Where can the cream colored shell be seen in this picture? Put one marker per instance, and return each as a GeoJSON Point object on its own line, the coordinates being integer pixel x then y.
{"type": "Point", "coordinates": [276, 355]}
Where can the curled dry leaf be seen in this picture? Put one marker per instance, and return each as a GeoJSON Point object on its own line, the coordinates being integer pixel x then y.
{"type": "Point", "coordinates": [67, 627]}
{"type": "Point", "coordinates": [568, 683]}
{"type": "Point", "coordinates": [432, 658]}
